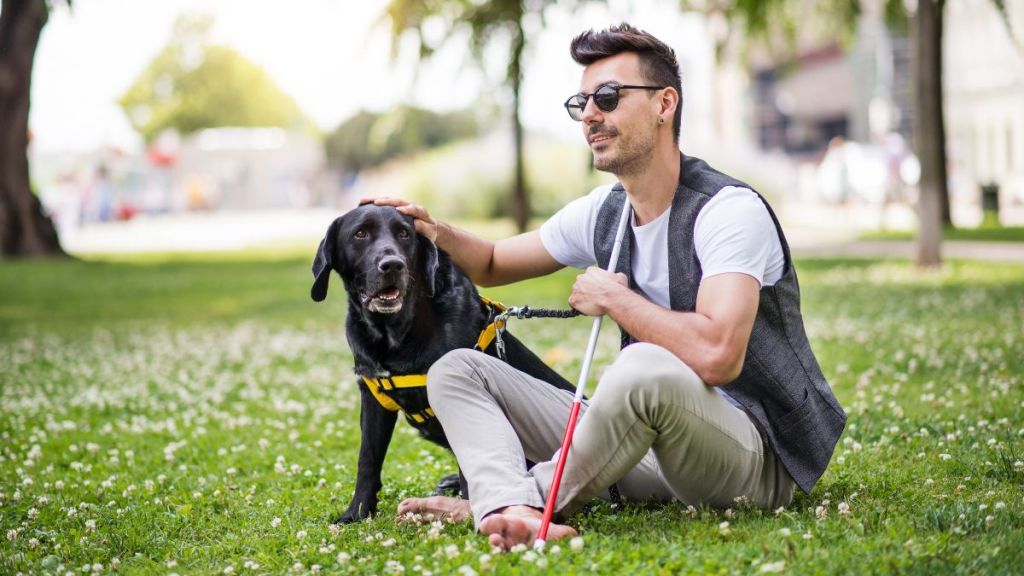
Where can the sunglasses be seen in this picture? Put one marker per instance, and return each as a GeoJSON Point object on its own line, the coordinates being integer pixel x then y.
{"type": "Point", "coordinates": [606, 97]}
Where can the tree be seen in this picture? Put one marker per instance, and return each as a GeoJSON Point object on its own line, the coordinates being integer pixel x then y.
{"type": "Point", "coordinates": [193, 84]}
{"type": "Point", "coordinates": [766, 19]}
{"type": "Point", "coordinates": [369, 139]}
{"type": "Point", "coordinates": [485, 22]}
{"type": "Point", "coordinates": [25, 229]}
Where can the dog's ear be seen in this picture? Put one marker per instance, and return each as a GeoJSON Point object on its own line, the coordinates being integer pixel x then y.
{"type": "Point", "coordinates": [323, 262]}
{"type": "Point", "coordinates": [430, 264]}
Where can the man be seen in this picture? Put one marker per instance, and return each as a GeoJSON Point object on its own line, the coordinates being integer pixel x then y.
{"type": "Point", "coordinates": [715, 397]}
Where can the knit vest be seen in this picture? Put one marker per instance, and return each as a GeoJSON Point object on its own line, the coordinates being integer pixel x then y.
{"type": "Point", "coordinates": [781, 387]}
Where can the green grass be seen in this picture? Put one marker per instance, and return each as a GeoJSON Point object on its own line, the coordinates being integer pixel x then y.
{"type": "Point", "coordinates": [985, 233]}
{"type": "Point", "coordinates": [194, 415]}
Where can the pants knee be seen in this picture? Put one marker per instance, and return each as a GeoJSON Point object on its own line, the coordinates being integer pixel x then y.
{"type": "Point", "coordinates": [642, 370]}
{"type": "Point", "coordinates": [453, 371]}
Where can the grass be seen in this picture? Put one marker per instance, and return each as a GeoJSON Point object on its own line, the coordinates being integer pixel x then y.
{"type": "Point", "coordinates": [198, 415]}
{"type": "Point", "coordinates": [984, 233]}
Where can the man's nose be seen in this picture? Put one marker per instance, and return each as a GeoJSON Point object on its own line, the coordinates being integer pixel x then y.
{"type": "Point", "coordinates": [591, 113]}
{"type": "Point", "coordinates": [391, 264]}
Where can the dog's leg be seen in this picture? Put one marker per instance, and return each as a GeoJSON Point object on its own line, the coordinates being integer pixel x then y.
{"type": "Point", "coordinates": [376, 424]}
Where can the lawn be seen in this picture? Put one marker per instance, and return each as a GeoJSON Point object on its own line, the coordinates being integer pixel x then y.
{"type": "Point", "coordinates": [984, 233]}
{"type": "Point", "coordinates": [199, 415]}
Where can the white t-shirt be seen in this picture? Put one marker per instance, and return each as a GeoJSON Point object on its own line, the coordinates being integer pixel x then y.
{"type": "Point", "coordinates": [733, 233]}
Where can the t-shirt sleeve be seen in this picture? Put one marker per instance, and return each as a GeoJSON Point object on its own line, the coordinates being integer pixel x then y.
{"type": "Point", "coordinates": [734, 233]}
{"type": "Point", "coordinates": [569, 235]}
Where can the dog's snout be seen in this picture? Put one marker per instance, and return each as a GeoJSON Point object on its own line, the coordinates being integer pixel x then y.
{"type": "Point", "coordinates": [391, 264]}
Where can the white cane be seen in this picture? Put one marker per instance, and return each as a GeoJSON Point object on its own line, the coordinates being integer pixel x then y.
{"type": "Point", "coordinates": [570, 426]}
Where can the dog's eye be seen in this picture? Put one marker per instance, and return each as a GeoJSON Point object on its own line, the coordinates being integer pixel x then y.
{"type": "Point", "coordinates": [360, 234]}
{"type": "Point", "coordinates": [403, 234]}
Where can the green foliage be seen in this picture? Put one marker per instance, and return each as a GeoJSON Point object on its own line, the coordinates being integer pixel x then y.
{"type": "Point", "coordinates": [471, 179]}
{"type": "Point", "coordinates": [194, 414]}
{"type": "Point", "coordinates": [369, 139]}
{"type": "Point", "coordinates": [192, 84]}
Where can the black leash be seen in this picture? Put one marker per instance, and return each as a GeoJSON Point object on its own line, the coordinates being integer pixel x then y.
{"type": "Point", "coordinates": [523, 312]}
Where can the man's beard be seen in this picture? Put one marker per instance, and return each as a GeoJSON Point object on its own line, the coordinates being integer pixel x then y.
{"type": "Point", "coordinates": [631, 156]}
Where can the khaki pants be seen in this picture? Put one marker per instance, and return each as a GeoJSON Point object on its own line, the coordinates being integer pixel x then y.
{"type": "Point", "coordinates": [652, 427]}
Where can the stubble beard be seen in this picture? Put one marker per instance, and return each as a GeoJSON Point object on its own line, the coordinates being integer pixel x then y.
{"type": "Point", "coordinates": [631, 157]}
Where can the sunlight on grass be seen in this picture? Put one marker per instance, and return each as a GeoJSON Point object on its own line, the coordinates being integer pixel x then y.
{"type": "Point", "coordinates": [198, 414]}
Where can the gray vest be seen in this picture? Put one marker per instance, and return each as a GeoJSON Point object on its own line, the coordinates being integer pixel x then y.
{"type": "Point", "coordinates": [781, 386]}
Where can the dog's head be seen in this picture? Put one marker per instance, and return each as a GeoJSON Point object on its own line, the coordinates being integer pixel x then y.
{"type": "Point", "coordinates": [379, 256]}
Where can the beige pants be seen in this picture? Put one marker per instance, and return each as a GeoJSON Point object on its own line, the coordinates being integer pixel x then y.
{"type": "Point", "coordinates": [652, 427]}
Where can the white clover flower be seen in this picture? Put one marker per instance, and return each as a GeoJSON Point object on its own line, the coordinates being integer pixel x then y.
{"type": "Point", "coordinates": [723, 528]}
{"type": "Point", "coordinates": [343, 557]}
{"type": "Point", "coordinates": [844, 508]}
{"type": "Point", "coordinates": [388, 543]}
{"type": "Point", "coordinates": [773, 567]}
{"type": "Point", "coordinates": [451, 550]}
{"type": "Point", "coordinates": [250, 565]}
{"type": "Point", "coordinates": [466, 570]}
{"type": "Point", "coordinates": [784, 532]}
{"type": "Point", "coordinates": [808, 535]}
{"type": "Point", "coordinates": [33, 513]}
{"type": "Point", "coordinates": [518, 548]}
{"type": "Point", "coordinates": [228, 570]}
{"type": "Point", "coordinates": [990, 520]}
{"type": "Point", "coordinates": [315, 568]}
{"type": "Point", "coordinates": [1000, 505]}
{"type": "Point", "coordinates": [944, 456]}
{"type": "Point", "coordinates": [12, 535]}
{"type": "Point", "coordinates": [275, 522]}
{"type": "Point", "coordinates": [90, 525]}
{"type": "Point", "coordinates": [97, 567]}
{"type": "Point", "coordinates": [300, 534]}
{"type": "Point", "coordinates": [334, 529]}
{"type": "Point", "coordinates": [530, 556]}
{"type": "Point", "coordinates": [820, 512]}
{"type": "Point", "coordinates": [576, 543]}
{"type": "Point", "coordinates": [33, 543]}
{"type": "Point", "coordinates": [485, 561]}
{"type": "Point", "coordinates": [172, 564]}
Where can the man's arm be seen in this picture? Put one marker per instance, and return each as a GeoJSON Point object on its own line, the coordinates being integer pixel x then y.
{"type": "Point", "coordinates": [712, 340]}
{"type": "Point", "coordinates": [486, 263]}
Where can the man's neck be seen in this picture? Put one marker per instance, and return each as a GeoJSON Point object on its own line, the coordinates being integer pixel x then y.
{"type": "Point", "coordinates": [651, 190]}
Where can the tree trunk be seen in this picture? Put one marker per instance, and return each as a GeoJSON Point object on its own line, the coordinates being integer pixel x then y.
{"type": "Point", "coordinates": [25, 231]}
{"type": "Point", "coordinates": [940, 115]}
{"type": "Point", "coordinates": [929, 130]}
{"type": "Point", "coordinates": [520, 197]}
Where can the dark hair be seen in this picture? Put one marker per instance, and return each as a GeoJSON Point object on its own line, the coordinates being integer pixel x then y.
{"type": "Point", "coordinates": [658, 63]}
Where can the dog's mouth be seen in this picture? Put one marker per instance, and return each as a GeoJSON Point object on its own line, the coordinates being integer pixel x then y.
{"type": "Point", "coordinates": [386, 301]}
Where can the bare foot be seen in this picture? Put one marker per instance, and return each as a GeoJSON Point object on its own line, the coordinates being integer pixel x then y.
{"type": "Point", "coordinates": [419, 510]}
{"type": "Point", "coordinates": [519, 525]}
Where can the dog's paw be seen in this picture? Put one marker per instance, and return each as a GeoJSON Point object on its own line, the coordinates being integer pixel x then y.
{"type": "Point", "coordinates": [356, 511]}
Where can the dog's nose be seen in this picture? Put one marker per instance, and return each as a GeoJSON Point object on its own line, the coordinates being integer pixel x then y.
{"type": "Point", "coordinates": [391, 264]}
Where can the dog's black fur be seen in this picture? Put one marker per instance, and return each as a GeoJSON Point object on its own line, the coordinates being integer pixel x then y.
{"type": "Point", "coordinates": [408, 304]}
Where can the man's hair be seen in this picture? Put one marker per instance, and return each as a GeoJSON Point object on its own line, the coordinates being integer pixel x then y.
{"type": "Point", "coordinates": [658, 64]}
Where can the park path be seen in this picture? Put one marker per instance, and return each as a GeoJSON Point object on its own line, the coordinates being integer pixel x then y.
{"type": "Point", "coordinates": [226, 231]}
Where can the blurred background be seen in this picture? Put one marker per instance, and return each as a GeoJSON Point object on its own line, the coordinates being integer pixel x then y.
{"type": "Point", "coordinates": [199, 125]}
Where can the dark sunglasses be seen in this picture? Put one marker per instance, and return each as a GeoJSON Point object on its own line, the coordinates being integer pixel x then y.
{"type": "Point", "coordinates": [606, 97]}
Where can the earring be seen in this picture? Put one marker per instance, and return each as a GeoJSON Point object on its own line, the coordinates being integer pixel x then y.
{"type": "Point", "coordinates": [661, 120]}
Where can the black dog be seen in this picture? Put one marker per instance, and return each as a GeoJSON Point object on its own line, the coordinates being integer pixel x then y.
{"type": "Point", "coordinates": [408, 304]}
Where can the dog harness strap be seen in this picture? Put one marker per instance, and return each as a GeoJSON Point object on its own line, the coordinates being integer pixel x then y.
{"type": "Point", "coordinates": [490, 331]}
{"type": "Point", "coordinates": [374, 386]}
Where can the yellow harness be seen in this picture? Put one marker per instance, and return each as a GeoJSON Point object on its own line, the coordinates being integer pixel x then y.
{"type": "Point", "coordinates": [385, 389]}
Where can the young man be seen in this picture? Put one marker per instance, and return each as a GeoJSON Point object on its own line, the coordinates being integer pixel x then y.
{"type": "Point", "coordinates": [715, 396]}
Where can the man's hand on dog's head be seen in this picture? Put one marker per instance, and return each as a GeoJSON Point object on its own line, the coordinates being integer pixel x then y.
{"type": "Point", "coordinates": [425, 225]}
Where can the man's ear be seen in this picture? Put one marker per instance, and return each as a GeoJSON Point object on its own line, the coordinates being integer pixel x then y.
{"type": "Point", "coordinates": [429, 254]}
{"type": "Point", "coordinates": [323, 262]}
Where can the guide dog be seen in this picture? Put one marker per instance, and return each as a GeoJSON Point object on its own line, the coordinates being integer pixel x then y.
{"type": "Point", "coordinates": [408, 304]}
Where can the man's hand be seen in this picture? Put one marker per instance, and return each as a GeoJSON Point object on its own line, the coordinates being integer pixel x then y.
{"type": "Point", "coordinates": [594, 289]}
{"type": "Point", "coordinates": [425, 225]}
